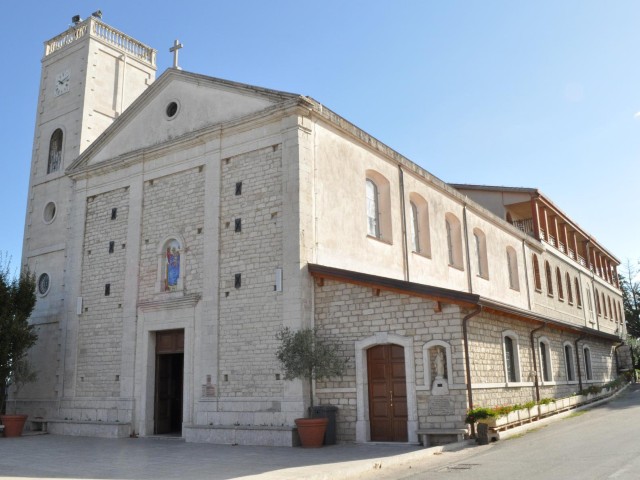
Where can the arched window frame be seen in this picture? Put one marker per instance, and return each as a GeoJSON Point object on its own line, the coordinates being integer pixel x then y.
{"type": "Point", "coordinates": [454, 241]}
{"type": "Point", "coordinates": [378, 206]}
{"type": "Point", "coordinates": [537, 278]}
{"type": "Point", "coordinates": [54, 158]}
{"type": "Point", "coordinates": [482, 262]}
{"type": "Point", "coordinates": [420, 229]}
{"type": "Point", "coordinates": [546, 370]}
{"type": "Point", "coordinates": [569, 362]}
{"type": "Point", "coordinates": [569, 289]}
{"type": "Point", "coordinates": [588, 367]}
{"type": "Point", "coordinates": [578, 294]}
{"type": "Point", "coordinates": [511, 357]}
{"type": "Point", "coordinates": [611, 317]}
{"type": "Point", "coordinates": [547, 271]}
{"type": "Point", "coordinates": [512, 268]}
{"type": "Point", "coordinates": [162, 275]}
{"type": "Point", "coordinates": [559, 284]}
{"type": "Point", "coordinates": [597, 299]}
{"type": "Point", "coordinates": [373, 211]}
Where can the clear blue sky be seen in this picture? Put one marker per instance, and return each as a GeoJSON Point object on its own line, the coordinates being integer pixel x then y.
{"type": "Point", "coordinates": [536, 94]}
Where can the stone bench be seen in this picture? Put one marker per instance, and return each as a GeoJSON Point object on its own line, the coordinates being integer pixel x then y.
{"type": "Point", "coordinates": [38, 425]}
{"type": "Point", "coordinates": [424, 434]}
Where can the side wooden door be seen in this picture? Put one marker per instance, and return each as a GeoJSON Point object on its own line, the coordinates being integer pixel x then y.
{"type": "Point", "coordinates": [387, 393]}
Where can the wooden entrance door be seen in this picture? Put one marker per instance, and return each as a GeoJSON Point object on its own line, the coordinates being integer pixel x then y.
{"type": "Point", "coordinates": [169, 381]}
{"type": "Point", "coordinates": [387, 393]}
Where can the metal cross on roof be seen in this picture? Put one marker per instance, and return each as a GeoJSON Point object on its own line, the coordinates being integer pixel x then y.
{"type": "Point", "coordinates": [176, 46]}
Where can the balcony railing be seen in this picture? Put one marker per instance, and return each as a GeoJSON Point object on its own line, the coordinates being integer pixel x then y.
{"type": "Point", "coordinates": [526, 225]}
{"type": "Point", "coordinates": [111, 36]}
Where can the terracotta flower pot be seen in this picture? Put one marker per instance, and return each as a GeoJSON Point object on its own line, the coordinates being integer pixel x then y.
{"type": "Point", "coordinates": [13, 424]}
{"type": "Point", "coordinates": [311, 431]}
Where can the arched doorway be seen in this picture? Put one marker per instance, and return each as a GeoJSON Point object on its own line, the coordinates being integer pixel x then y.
{"type": "Point", "coordinates": [387, 393]}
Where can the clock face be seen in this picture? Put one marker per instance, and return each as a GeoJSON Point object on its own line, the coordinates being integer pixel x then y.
{"type": "Point", "coordinates": [62, 83]}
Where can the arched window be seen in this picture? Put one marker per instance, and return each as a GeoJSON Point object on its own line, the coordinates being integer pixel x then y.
{"type": "Point", "coordinates": [420, 234]}
{"type": "Point", "coordinates": [545, 360]}
{"type": "Point", "coordinates": [610, 311]}
{"type": "Point", "coordinates": [536, 273]}
{"type": "Point", "coordinates": [559, 283]}
{"type": "Point", "coordinates": [454, 240]}
{"type": "Point", "coordinates": [569, 289]}
{"type": "Point", "coordinates": [597, 298]}
{"type": "Point", "coordinates": [586, 353]}
{"type": "Point", "coordinates": [482, 263]}
{"type": "Point", "coordinates": [603, 306]}
{"type": "Point", "coordinates": [171, 265]}
{"type": "Point", "coordinates": [373, 212]}
{"type": "Point", "coordinates": [512, 267]}
{"type": "Point", "coordinates": [547, 271]}
{"type": "Point", "coordinates": [578, 295]}
{"type": "Point", "coordinates": [378, 206]}
{"type": "Point", "coordinates": [511, 357]}
{"type": "Point", "coordinates": [569, 363]}
{"type": "Point", "coordinates": [55, 152]}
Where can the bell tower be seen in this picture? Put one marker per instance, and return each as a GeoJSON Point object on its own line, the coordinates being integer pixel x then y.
{"type": "Point", "coordinates": [90, 74]}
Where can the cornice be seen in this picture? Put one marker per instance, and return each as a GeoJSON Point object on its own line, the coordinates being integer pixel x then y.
{"type": "Point", "coordinates": [172, 303]}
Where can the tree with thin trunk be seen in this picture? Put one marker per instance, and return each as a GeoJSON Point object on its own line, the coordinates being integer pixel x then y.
{"type": "Point", "coordinates": [17, 299]}
{"type": "Point", "coordinates": [629, 281]}
{"type": "Point", "coordinates": [305, 355]}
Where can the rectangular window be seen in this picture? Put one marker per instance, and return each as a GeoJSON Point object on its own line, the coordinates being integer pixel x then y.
{"type": "Point", "coordinates": [510, 359]}
{"type": "Point", "coordinates": [238, 188]}
{"type": "Point", "coordinates": [568, 358]}
{"type": "Point", "coordinates": [112, 246]}
{"type": "Point", "coordinates": [587, 363]}
{"type": "Point", "coordinates": [238, 225]}
{"type": "Point", "coordinates": [544, 360]}
{"type": "Point", "coordinates": [114, 213]}
{"type": "Point", "coordinates": [107, 289]}
{"type": "Point", "coordinates": [238, 280]}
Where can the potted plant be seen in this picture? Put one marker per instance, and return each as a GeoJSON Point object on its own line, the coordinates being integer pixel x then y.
{"type": "Point", "coordinates": [304, 355]}
{"type": "Point", "coordinates": [17, 299]}
{"type": "Point", "coordinates": [20, 376]}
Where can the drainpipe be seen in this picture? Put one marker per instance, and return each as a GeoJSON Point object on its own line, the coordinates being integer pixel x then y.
{"type": "Point", "coordinates": [403, 218]}
{"type": "Point", "coordinates": [581, 337]}
{"type": "Point", "coordinates": [467, 362]}
{"type": "Point", "coordinates": [536, 380]}
{"type": "Point", "coordinates": [466, 246]}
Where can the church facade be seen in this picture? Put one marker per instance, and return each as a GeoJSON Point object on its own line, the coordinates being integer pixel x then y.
{"type": "Point", "coordinates": [176, 225]}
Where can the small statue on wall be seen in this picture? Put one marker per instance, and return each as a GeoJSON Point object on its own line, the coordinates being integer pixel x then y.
{"type": "Point", "coordinates": [440, 385]}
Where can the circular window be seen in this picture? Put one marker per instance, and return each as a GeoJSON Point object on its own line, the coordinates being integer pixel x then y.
{"type": "Point", "coordinates": [172, 109]}
{"type": "Point", "coordinates": [43, 284]}
{"type": "Point", "coordinates": [49, 212]}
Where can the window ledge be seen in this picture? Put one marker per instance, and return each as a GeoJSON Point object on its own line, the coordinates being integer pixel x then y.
{"type": "Point", "coordinates": [456, 267]}
{"type": "Point", "coordinates": [423, 255]}
{"type": "Point", "coordinates": [378, 239]}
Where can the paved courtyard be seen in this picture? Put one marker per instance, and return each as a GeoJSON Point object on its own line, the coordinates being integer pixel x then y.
{"type": "Point", "coordinates": [53, 456]}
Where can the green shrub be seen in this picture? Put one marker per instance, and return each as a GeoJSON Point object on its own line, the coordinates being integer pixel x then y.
{"type": "Point", "coordinates": [479, 413]}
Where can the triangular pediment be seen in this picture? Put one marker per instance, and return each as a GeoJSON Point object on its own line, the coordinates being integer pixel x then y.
{"type": "Point", "coordinates": [177, 104]}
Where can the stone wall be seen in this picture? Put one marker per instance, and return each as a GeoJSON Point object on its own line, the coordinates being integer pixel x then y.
{"type": "Point", "coordinates": [100, 324]}
{"type": "Point", "coordinates": [346, 314]}
{"type": "Point", "coordinates": [251, 248]}
{"type": "Point", "coordinates": [173, 207]}
{"type": "Point", "coordinates": [349, 313]}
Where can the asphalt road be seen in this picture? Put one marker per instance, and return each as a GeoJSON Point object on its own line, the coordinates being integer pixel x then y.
{"type": "Point", "coordinates": [600, 443]}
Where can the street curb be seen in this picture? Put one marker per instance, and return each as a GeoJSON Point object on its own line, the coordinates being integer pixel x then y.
{"type": "Point", "coordinates": [512, 432]}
